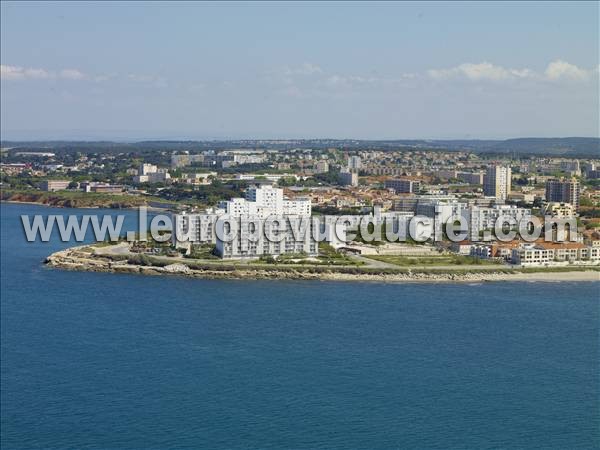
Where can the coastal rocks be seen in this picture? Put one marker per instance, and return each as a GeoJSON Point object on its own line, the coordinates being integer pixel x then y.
{"type": "Point", "coordinates": [85, 258]}
{"type": "Point", "coordinates": [59, 200]}
{"type": "Point", "coordinates": [149, 270]}
{"type": "Point", "coordinates": [177, 268]}
{"type": "Point", "coordinates": [124, 268]}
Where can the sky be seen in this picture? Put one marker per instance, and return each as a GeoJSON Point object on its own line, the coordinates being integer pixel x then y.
{"type": "Point", "coordinates": [133, 71]}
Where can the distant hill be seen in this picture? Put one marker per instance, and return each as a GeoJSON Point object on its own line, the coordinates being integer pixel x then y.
{"type": "Point", "coordinates": [568, 147]}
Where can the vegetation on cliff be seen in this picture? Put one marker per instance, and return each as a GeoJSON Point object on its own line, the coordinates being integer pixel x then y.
{"type": "Point", "coordinates": [78, 199]}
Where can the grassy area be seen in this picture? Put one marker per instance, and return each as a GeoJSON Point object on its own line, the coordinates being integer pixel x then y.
{"type": "Point", "coordinates": [329, 255]}
{"type": "Point", "coordinates": [232, 266]}
{"type": "Point", "coordinates": [202, 252]}
{"type": "Point", "coordinates": [442, 260]}
{"type": "Point", "coordinates": [101, 244]}
{"type": "Point", "coordinates": [320, 261]}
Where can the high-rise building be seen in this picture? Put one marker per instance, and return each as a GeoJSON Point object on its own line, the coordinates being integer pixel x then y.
{"type": "Point", "coordinates": [348, 178]}
{"type": "Point", "coordinates": [260, 203]}
{"type": "Point", "coordinates": [565, 191]}
{"type": "Point", "coordinates": [496, 182]}
{"type": "Point", "coordinates": [264, 201]}
{"type": "Point", "coordinates": [354, 163]}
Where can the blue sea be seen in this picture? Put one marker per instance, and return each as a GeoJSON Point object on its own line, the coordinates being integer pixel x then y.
{"type": "Point", "coordinates": [107, 361]}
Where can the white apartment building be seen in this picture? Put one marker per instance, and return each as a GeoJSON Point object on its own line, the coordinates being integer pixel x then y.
{"type": "Point", "coordinates": [265, 201]}
{"type": "Point", "coordinates": [250, 158]}
{"type": "Point", "coordinates": [238, 206]}
{"type": "Point", "coordinates": [531, 255]}
{"type": "Point", "coordinates": [259, 203]}
{"type": "Point", "coordinates": [267, 198]}
{"type": "Point", "coordinates": [145, 169]}
{"type": "Point", "coordinates": [300, 206]}
{"type": "Point", "coordinates": [149, 173]}
{"type": "Point", "coordinates": [242, 246]}
{"type": "Point", "coordinates": [195, 229]}
{"type": "Point", "coordinates": [540, 254]}
{"type": "Point", "coordinates": [354, 163]}
{"type": "Point", "coordinates": [441, 209]}
{"type": "Point", "coordinates": [484, 218]}
{"type": "Point", "coordinates": [497, 182]}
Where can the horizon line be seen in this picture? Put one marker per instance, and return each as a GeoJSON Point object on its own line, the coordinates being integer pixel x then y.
{"type": "Point", "coordinates": [280, 139]}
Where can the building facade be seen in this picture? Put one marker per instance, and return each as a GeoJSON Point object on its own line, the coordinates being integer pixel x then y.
{"type": "Point", "coordinates": [480, 219]}
{"type": "Point", "coordinates": [54, 185]}
{"type": "Point", "coordinates": [497, 182]}
{"type": "Point", "coordinates": [348, 178]}
{"type": "Point", "coordinates": [563, 191]}
{"type": "Point", "coordinates": [403, 186]}
{"type": "Point", "coordinates": [548, 253]}
{"type": "Point", "coordinates": [260, 203]}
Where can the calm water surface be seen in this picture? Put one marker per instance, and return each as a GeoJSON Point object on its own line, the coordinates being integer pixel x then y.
{"type": "Point", "coordinates": [92, 360]}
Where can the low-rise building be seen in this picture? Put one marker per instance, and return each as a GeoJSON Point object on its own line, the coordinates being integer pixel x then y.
{"type": "Point", "coordinates": [494, 249]}
{"type": "Point", "coordinates": [54, 185]}
{"type": "Point", "coordinates": [106, 188]}
{"type": "Point", "coordinates": [462, 247]}
{"type": "Point", "coordinates": [14, 168]}
{"type": "Point", "coordinates": [554, 253]}
{"type": "Point", "coordinates": [471, 177]}
{"type": "Point", "coordinates": [160, 176]}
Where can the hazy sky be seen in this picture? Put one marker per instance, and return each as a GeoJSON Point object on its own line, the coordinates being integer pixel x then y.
{"type": "Point", "coordinates": [356, 70]}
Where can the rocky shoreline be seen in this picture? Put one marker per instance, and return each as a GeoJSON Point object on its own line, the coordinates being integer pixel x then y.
{"type": "Point", "coordinates": [58, 201]}
{"type": "Point", "coordinates": [76, 258]}
{"type": "Point", "coordinates": [55, 200]}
